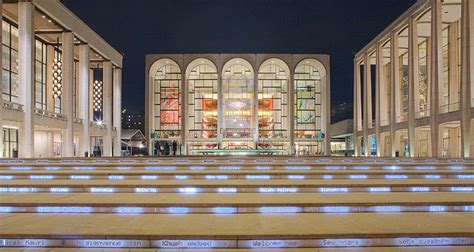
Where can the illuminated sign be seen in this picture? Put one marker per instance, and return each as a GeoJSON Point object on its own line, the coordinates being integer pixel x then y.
{"type": "Point", "coordinates": [295, 176]}
{"type": "Point", "coordinates": [358, 176]}
{"type": "Point", "coordinates": [188, 190]}
{"type": "Point", "coordinates": [280, 209]}
{"type": "Point", "coordinates": [258, 177]}
{"type": "Point", "coordinates": [84, 168]}
{"type": "Point", "coordinates": [278, 190]}
{"type": "Point", "coordinates": [419, 189]}
{"type": "Point", "coordinates": [129, 210]}
{"type": "Point", "coordinates": [386, 208]}
{"type": "Point", "coordinates": [59, 190]}
{"type": "Point", "coordinates": [146, 190]}
{"type": "Point", "coordinates": [217, 177]}
{"type": "Point", "coordinates": [229, 167]}
{"type": "Point", "coordinates": [343, 242]}
{"type": "Point", "coordinates": [5, 209]}
{"type": "Point", "coordinates": [466, 176]}
{"type": "Point", "coordinates": [181, 177]}
{"type": "Point", "coordinates": [6, 177]}
{"type": "Point", "coordinates": [102, 190]}
{"type": "Point", "coordinates": [196, 167]}
{"type": "Point", "coordinates": [379, 189]}
{"type": "Point", "coordinates": [61, 209]}
{"type": "Point", "coordinates": [392, 167]}
{"type": "Point", "coordinates": [327, 176]}
{"type": "Point", "coordinates": [432, 176]}
{"type": "Point", "coordinates": [437, 208]}
{"type": "Point", "coordinates": [149, 177]}
{"type": "Point", "coordinates": [461, 189]}
{"type": "Point", "coordinates": [227, 190]}
{"type": "Point", "coordinates": [20, 168]}
{"type": "Point", "coordinates": [333, 190]}
{"type": "Point", "coordinates": [17, 189]}
{"type": "Point", "coordinates": [160, 168]}
{"type": "Point", "coordinates": [335, 209]}
{"type": "Point", "coordinates": [192, 244]}
{"type": "Point", "coordinates": [263, 168]}
{"type": "Point", "coordinates": [80, 177]}
{"type": "Point", "coordinates": [115, 177]}
{"type": "Point", "coordinates": [396, 176]}
{"type": "Point", "coordinates": [111, 243]}
{"type": "Point", "coordinates": [298, 168]}
{"type": "Point", "coordinates": [177, 210]}
{"type": "Point", "coordinates": [272, 244]}
{"type": "Point", "coordinates": [224, 210]}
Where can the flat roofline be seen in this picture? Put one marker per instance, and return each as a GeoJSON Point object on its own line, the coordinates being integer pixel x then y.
{"type": "Point", "coordinates": [66, 18]}
{"type": "Point", "coordinates": [393, 26]}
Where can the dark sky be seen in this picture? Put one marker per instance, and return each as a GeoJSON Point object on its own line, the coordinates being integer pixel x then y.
{"type": "Point", "coordinates": [139, 27]}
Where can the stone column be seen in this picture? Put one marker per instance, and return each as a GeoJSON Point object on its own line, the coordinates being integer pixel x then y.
{"type": "Point", "coordinates": [467, 68]}
{"type": "Point", "coordinates": [184, 112]}
{"type": "Point", "coordinates": [255, 100]}
{"type": "Point", "coordinates": [84, 94]}
{"type": "Point", "coordinates": [291, 113]}
{"type": "Point", "coordinates": [393, 79]}
{"type": "Point", "coordinates": [26, 56]}
{"type": "Point", "coordinates": [412, 81]}
{"type": "Point", "coordinates": [356, 109]}
{"type": "Point", "coordinates": [378, 94]}
{"type": "Point", "coordinates": [366, 118]}
{"type": "Point", "coordinates": [436, 66]}
{"type": "Point", "coordinates": [1, 93]}
{"type": "Point", "coordinates": [117, 111]}
{"type": "Point", "coordinates": [326, 81]}
{"type": "Point", "coordinates": [107, 112]}
{"type": "Point", "coordinates": [67, 94]}
{"type": "Point", "coordinates": [220, 108]}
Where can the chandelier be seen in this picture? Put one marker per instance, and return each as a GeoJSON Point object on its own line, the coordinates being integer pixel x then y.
{"type": "Point", "coordinates": [97, 89]}
{"type": "Point", "coordinates": [57, 78]}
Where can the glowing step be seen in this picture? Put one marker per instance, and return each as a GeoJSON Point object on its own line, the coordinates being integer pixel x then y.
{"type": "Point", "coordinates": [252, 230]}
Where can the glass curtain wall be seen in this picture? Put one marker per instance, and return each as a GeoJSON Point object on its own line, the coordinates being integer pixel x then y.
{"type": "Point", "coordinates": [202, 106]}
{"type": "Point", "coordinates": [40, 75]}
{"type": "Point", "coordinates": [10, 62]}
{"type": "Point", "coordinates": [238, 103]}
{"type": "Point", "coordinates": [307, 110]}
{"type": "Point", "coordinates": [273, 119]}
{"type": "Point", "coordinates": [167, 99]}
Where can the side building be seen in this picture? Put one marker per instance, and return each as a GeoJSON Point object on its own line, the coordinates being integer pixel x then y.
{"type": "Point", "coordinates": [413, 85]}
{"type": "Point", "coordinates": [228, 103]}
{"type": "Point", "coordinates": [61, 84]}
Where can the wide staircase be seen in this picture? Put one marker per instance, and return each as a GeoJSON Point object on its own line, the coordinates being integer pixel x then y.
{"type": "Point", "coordinates": [232, 203]}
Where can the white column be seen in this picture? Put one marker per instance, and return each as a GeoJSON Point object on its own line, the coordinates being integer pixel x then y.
{"type": "Point", "coordinates": [291, 113]}
{"type": "Point", "coordinates": [84, 70]}
{"type": "Point", "coordinates": [467, 68]}
{"type": "Point", "coordinates": [326, 81]}
{"type": "Point", "coordinates": [1, 93]}
{"type": "Point", "coordinates": [107, 112]}
{"type": "Point", "coordinates": [366, 119]}
{"type": "Point", "coordinates": [255, 100]}
{"type": "Point", "coordinates": [378, 93]}
{"type": "Point", "coordinates": [412, 81]}
{"type": "Point", "coordinates": [220, 109]}
{"type": "Point", "coordinates": [67, 94]}
{"type": "Point", "coordinates": [393, 79]}
{"type": "Point", "coordinates": [26, 40]}
{"type": "Point", "coordinates": [436, 66]}
{"type": "Point", "coordinates": [117, 111]}
{"type": "Point", "coordinates": [184, 112]}
{"type": "Point", "coordinates": [356, 109]}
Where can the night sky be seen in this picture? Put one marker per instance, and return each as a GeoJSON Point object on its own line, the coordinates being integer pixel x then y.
{"type": "Point", "coordinates": [135, 28]}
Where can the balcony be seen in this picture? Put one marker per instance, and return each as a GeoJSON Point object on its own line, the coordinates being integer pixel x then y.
{"type": "Point", "coordinates": [402, 118]}
{"type": "Point", "coordinates": [422, 113]}
{"type": "Point", "coordinates": [49, 114]}
{"type": "Point", "coordinates": [12, 106]}
{"type": "Point", "coordinates": [449, 107]}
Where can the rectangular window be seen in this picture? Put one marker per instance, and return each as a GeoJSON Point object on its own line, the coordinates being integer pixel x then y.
{"type": "Point", "coordinates": [40, 75]}
{"type": "Point", "coordinates": [422, 105]}
{"type": "Point", "coordinates": [10, 62]}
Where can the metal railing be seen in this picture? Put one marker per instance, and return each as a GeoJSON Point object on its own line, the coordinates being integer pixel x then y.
{"type": "Point", "coordinates": [449, 107]}
{"type": "Point", "coordinates": [49, 114]}
{"type": "Point", "coordinates": [12, 105]}
{"type": "Point", "coordinates": [422, 113]}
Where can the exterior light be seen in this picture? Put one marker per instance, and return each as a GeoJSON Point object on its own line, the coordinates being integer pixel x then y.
{"type": "Point", "coordinates": [97, 95]}
{"type": "Point", "coordinates": [57, 78]}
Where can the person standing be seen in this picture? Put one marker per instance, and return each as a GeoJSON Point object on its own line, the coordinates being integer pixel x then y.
{"type": "Point", "coordinates": [175, 147]}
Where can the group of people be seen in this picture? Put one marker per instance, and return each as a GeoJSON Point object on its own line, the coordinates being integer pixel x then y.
{"type": "Point", "coordinates": [166, 149]}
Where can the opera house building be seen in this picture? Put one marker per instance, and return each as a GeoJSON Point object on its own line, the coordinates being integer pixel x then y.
{"type": "Point", "coordinates": [238, 103]}
{"type": "Point", "coordinates": [413, 88]}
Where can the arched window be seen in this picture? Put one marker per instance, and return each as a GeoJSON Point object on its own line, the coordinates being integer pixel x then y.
{"type": "Point", "coordinates": [273, 114]}
{"type": "Point", "coordinates": [238, 104]}
{"type": "Point", "coordinates": [309, 137]}
{"type": "Point", "coordinates": [202, 103]}
{"type": "Point", "coordinates": [167, 99]}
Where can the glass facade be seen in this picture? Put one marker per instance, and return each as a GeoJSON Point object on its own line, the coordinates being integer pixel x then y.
{"type": "Point", "coordinates": [307, 110]}
{"type": "Point", "coordinates": [167, 102]}
{"type": "Point", "coordinates": [10, 62]}
{"type": "Point", "coordinates": [238, 106]}
{"type": "Point", "coordinates": [40, 75]}
{"type": "Point", "coordinates": [10, 142]}
{"type": "Point", "coordinates": [273, 118]}
{"type": "Point", "coordinates": [422, 105]}
{"type": "Point", "coordinates": [403, 73]}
